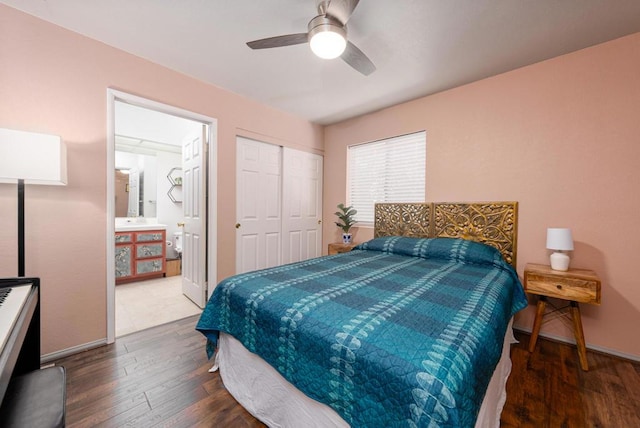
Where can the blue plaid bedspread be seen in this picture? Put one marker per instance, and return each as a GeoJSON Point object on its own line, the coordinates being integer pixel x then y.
{"type": "Point", "coordinates": [397, 332]}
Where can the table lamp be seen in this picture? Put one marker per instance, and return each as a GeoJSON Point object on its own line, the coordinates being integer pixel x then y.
{"type": "Point", "coordinates": [559, 239]}
{"type": "Point", "coordinates": [31, 158]}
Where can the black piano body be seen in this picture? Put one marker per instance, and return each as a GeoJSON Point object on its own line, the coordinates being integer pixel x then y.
{"type": "Point", "coordinates": [29, 396]}
{"type": "Point", "coordinates": [21, 352]}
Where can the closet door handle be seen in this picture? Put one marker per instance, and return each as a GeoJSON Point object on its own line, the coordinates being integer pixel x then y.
{"type": "Point", "coordinates": [238, 225]}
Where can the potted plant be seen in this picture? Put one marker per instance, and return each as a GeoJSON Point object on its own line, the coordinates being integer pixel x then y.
{"type": "Point", "coordinates": [346, 217]}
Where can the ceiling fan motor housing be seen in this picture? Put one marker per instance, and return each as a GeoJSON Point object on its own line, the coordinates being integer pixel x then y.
{"type": "Point", "coordinates": [325, 23]}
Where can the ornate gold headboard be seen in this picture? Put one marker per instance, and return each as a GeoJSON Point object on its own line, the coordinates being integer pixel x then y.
{"type": "Point", "coordinates": [492, 223]}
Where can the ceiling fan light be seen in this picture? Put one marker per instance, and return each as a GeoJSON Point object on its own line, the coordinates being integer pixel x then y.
{"type": "Point", "coordinates": [327, 43]}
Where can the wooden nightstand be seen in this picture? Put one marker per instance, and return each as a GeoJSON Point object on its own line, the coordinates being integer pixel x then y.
{"type": "Point", "coordinates": [339, 247]}
{"type": "Point", "coordinates": [575, 285]}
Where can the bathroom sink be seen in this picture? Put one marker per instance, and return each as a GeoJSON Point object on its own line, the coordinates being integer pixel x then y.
{"type": "Point", "coordinates": [139, 226]}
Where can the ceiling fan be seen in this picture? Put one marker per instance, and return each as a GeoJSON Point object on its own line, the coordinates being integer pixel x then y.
{"type": "Point", "coordinates": [327, 36]}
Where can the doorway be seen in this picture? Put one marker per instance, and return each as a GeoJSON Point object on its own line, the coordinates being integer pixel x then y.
{"type": "Point", "coordinates": [138, 134]}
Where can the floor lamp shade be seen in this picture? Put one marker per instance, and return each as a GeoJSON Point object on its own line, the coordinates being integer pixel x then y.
{"type": "Point", "coordinates": [31, 158]}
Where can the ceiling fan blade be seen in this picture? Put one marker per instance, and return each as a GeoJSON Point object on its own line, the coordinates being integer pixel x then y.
{"type": "Point", "coordinates": [357, 59]}
{"type": "Point", "coordinates": [341, 9]}
{"type": "Point", "coordinates": [278, 41]}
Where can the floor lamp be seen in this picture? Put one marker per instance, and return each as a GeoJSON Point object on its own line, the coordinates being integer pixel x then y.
{"type": "Point", "coordinates": [30, 158]}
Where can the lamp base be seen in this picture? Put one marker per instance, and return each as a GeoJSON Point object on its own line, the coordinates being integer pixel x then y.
{"type": "Point", "coordinates": [559, 261]}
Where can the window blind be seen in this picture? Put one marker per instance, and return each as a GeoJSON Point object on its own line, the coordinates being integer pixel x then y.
{"type": "Point", "coordinates": [390, 170]}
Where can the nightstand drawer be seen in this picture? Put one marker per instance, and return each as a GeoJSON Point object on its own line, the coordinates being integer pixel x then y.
{"type": "Point", "coordinates": [582, 290]}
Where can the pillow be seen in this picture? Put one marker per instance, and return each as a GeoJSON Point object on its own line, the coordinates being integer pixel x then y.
{"type": "Point", "coordinates": [461, 250]}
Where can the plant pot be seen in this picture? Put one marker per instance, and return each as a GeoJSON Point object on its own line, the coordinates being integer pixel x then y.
{"type": "Point", "coordinates": [346, 238]}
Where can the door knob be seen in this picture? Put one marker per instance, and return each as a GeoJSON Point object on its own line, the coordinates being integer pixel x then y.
{"type": "Point", "coordinates": [238, 225]}
{"type": "Point", "coordinates": [181, 224]}
{"type": "Point", "coordinates": [319, 221]}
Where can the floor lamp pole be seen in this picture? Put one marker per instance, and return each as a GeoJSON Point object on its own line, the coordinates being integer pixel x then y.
{"type": "Point", "coordinates": [21, 228]}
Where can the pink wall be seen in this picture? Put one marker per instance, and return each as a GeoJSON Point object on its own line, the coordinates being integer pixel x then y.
{"type": "Point", "coordinates": [560, 137]}
{"type": "Point", "coordinates": [55, 81]}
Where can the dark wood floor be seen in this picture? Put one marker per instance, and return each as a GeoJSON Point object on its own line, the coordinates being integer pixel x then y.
{"type": "Point", "coordinates": [159, 377]}
{"type": "Point", "coordinates": [547, 388]}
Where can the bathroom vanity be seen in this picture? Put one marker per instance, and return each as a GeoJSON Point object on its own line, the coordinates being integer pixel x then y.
{"type": "Point", "coordinates": [140, 252]}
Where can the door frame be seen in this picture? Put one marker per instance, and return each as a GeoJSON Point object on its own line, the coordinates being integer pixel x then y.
{"type": "Point", "coordinates": [114, 95]}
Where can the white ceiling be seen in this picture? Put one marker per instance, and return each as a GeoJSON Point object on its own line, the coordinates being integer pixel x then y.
{"type": "Point", "coordinates": [153, 127]}
{"type": "Point", "coordinates": [418, 46]}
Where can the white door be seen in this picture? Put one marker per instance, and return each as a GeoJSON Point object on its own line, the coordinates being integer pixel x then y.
{"type": "Point", "coordinates": [258, 210]}
{"type": "Point", "coordinates": [194, 205]}
{"type": "Point", "coordinates": [302, 205]}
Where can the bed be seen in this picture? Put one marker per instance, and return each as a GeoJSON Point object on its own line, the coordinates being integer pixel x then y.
{"type": "Point", "coordinates": [408, 329]}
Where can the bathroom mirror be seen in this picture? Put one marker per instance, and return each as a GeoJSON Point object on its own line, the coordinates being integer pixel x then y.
{"type": "Point", "coordinates": [136, 185]}
{"type": "Point", "coordinates": [139, 165]}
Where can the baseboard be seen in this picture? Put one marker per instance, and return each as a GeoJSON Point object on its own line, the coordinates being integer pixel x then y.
{"type": "Point", "coordinates": [595, 348]}
{"type": "Point", "coordinates": [47, 358]}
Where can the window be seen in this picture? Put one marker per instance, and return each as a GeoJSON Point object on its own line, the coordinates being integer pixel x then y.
{"type": "Point", "coordinates": [390, 170]}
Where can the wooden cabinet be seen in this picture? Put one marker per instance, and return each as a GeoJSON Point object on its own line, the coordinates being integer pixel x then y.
{"type": "Point", "coordinates": [579, 285]}
{"type": "Point", "coordinates": [140, 255]}
{"type": "Point", "coordinates": [339, 247]}
{"type": "Point", "coordinates": [575, 285]}
{"type": "Point", "coordinates": [174, 267]}
{"type": "Point", "coordinates": [124, 256]}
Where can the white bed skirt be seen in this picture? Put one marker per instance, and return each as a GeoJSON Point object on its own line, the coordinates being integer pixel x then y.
{"type": "Point", "coordinates": [269, 397]}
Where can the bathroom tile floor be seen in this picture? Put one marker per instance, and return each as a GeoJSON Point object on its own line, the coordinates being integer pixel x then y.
{"type": "Point", "coordinates": [144, 304]}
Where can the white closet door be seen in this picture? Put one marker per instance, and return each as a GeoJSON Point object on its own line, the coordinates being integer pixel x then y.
{"type": "Point", "coordinates": [258, 210]}
{"type": "Point", "coordinates": [302, 206]}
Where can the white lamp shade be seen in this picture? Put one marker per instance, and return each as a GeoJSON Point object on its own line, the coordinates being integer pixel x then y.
{"type": "Point", "coordinates": [35, 158]}
{"type": "Point", "coordinates": [559, 239]}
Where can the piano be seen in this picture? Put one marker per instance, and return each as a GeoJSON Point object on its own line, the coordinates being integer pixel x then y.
{"type": "Point", "coordinates": [29, 397]}
{"type": "Point", "coordinates": [19, 328]}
